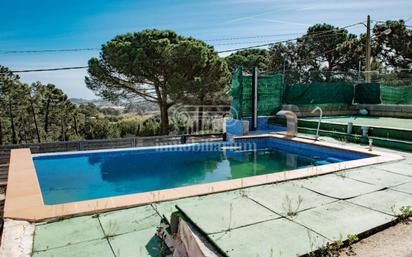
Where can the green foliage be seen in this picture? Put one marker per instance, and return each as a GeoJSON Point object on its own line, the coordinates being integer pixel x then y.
{"type": "Point", "coordinates": [352, 239]}
{"type": "Point", "coordinates": [393, 44]}
{"type": "Point", "coordinates": [99, 129]}
{"type": "Point", "coordinates": [151, 127]}
{"type": "Point", "coordinates": [129, 128]}
{"type": "Point", "coordinates": [247, 59]}
{"type": "Point", "coordinates": [406, 212]}
{"type": "Point", "coordinates": [157, 66]}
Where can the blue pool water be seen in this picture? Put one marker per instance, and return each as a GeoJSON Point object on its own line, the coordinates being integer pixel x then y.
{"type": "Point", "coordinates": [90, 175]}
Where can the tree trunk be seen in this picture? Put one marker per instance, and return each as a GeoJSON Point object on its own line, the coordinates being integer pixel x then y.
{"type": "Point", "coordinates": [46, 117]}
{"type": "Point", "coordinates": [164, 118]}
{"type": "Point", "coordinates": [13, 129]}
{"type": "Point", "coordinates": [35, 121]}
{"type": "Point", "coordinates": [76, 130]}
{"type": "Point", "coordinates": [1, 132]}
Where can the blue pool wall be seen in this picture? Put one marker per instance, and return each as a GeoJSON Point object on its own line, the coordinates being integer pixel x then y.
{"type": "Point", "coordinates": [235, 127]}
{"type": "Point", "coordinates": [244, 143]}
{"type": "Point", "coordinates": [303, 149]}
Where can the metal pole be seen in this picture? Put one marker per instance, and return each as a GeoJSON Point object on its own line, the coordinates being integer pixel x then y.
{"type": "Point", "coordinates": [368, 50]}
{"type": "Point", "coordinates": [254, 98]}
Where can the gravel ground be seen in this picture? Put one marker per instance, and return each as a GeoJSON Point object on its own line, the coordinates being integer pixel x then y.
{"type": "Point", "coordinates": [395, 241]}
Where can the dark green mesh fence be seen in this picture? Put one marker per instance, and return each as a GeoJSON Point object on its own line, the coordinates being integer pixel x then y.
{"type": "Point", "coordinates": [319, 93]}
{"type": "Point", "coordinates": [270, 93]}
{"type": "Point", "coordinates": [367, 93]}
{"type": "Point", "coordinates": [396, 95]}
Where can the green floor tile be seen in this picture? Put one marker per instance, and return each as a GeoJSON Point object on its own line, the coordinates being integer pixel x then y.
{"type": "Point", "coordinates": [406, 188]}
{"type": "Point", "coordinates": [66, 232]}
{"type": "Point", "coordinates": [141, 243]}
{"type": "Point", "coordinates": [219, 212]}
{"type": "Point", "coordinates": [403, 168]}
{"type": "Point", "coordinates": [286, 197]}
{"type": "Point", "coordinates": [165, 209]}
{"type": "Point", "coordinates": [337, 220]}
{"type": "Point", "coordinates": [337, 186]}
{"type": "Point", "coordinates": [387, 201]}
{"type": "Point", "coordinates": [279, 237]}
{"type": "Point", "coordinates": [95, 248]}
{"type": "Point", "coordinates": [128, 220]}
{"type": "Point", "coordinates": [378, 177]}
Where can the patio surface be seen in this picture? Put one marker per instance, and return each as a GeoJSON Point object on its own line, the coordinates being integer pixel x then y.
{"type": "Point", "coordinates": [248, 222]}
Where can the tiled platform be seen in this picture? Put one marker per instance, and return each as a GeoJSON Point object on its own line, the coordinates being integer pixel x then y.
{"type": "Point", "coordinates": [250, 222]}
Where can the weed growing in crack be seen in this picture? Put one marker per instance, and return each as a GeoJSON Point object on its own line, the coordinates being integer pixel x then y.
{"type": "Point", "coordinates": [406, 212]}
{"type": "Point", "coordinates": [289, 208]}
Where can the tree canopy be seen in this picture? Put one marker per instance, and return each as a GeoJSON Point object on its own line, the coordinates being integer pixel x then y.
{"type": "Point", "coordinates": [158, 66]}
{"type": "Point", "coordinates": [248, 59]}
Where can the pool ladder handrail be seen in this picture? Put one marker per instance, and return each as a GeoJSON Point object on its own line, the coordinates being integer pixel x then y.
{"type": "Point", "coordinates": [317, 108]}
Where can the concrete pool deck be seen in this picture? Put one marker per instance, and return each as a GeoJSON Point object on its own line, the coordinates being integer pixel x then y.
{"type": "Point", "coordinates": [247, 222]}
{"type": "Point", "coordinates": [24, 198]}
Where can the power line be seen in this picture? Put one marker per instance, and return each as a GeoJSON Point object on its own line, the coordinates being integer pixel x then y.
{"type": "Point", "coordinates": [219, 52]}
{"type": "Point", "coordinates": [51, 69]}
{"type": "Point", "coordinates": [94, 49]}
{"type": "Point", "coordinates": [48, 50]}
{"type": "Point", "coordinates": [210, 40]}
{"type": "Point", "coordinates": [251, 37]}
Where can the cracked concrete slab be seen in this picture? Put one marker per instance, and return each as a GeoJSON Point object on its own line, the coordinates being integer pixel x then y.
{"type": "Point", "coordinates": [387, 201]}
{"type": "Point", "coordinates": [280, 237]}
{"type": "Point", "coordinates": [94, 248]}
{"type": "Point", "coordinates": [17, 238]}
{"type": "Point", "coordinates": [378, 177]}
{"type": "Point", "coordinates": [337, 220]}
{"type": "Point", "coordinates": [219, 212]}
{"type": "Point", "coordinates": [406, 188]}
{"type": "Point", "coordinates": [403, 168]}
{"type": "Point", "coordinates": [141, 243]}
{"type": "Point", "coordinates": [66, 232]}
{"type": "Point", "coordinates": [285, 197]}
{"type": "Point", "coordinates": [165, 209]}
{"type": "Point", "coordinates": [338, 187]}
{"type": "Point", "coordinates": [129, 220]}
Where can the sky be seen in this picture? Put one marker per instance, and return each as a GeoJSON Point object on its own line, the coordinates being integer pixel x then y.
{"type": "Point", "coordinates": [51, 24]}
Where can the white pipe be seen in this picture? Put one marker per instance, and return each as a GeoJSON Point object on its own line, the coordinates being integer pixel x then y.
{"type": "Point", "coordinates": [320, 120]}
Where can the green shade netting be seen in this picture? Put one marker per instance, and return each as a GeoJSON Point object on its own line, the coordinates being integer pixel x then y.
{"type": "Point", "coordinates": [270, 93]}
{"type": "Point", "coordinates": [396, 95]}
{"type": "Point", "coordinates": [367, 93]}
{"type": "Point", "coordinates": [319, 93]}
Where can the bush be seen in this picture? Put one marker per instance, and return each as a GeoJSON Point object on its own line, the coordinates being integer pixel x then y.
{"type": "Point", "coordinates": [100, 129]}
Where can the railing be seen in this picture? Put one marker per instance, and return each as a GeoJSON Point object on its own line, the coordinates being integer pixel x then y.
{"type": "Point", "coordinates": [84, 145]}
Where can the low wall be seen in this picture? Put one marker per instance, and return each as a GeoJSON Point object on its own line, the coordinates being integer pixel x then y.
{"type": "Point", "coordinates": [387, 110]}
{"type": "Point", "coordinates": [328, 110]}
{"type": "Point", "coordinates": [378, 110]}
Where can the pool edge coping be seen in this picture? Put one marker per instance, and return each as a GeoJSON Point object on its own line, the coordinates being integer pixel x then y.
{"type": "Point", "coordinates": [24, 198]}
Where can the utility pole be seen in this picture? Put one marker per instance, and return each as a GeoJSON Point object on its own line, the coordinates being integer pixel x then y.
{"type": "Point", "coordinates": [368, 50]}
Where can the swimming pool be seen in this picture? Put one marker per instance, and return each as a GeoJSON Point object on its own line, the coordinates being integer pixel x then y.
{"type": "Point", "coordinates": [26, 195]}
{"type": "Point", "coordinates": [73, 177]}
